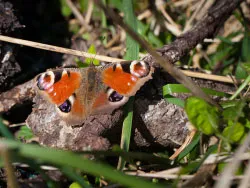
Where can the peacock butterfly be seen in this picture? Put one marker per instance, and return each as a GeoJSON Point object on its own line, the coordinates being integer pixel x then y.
{"type": "Point", "coordinates": [78, 93]}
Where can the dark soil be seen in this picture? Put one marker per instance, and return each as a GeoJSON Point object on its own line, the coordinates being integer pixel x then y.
{"type": "Point", "coordinates": [26, 19]}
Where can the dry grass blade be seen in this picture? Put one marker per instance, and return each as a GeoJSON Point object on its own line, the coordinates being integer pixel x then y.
{"type": "Point", "coordinates": [169, 23]}
{"type": "Point", "coordinates": [103, 58]}
{"type": "Point", "coordinates": [11, 179]}
{"type": "Point", "coordinates": [78, 15]}
{"type": "Point", "coordinates": [59, 49]}
{"type": "Point", "coordinates": [161, 175]}
{"type": "Point", "coordinates": [171, 69]}
{"type": "Point", "coordinates": [210, 77]}
{"type": "Point", "coordinates": [89, 11]}
{"type": "Point", "coordinates": [183, 3]}
{"type": "Point", "coordinates": [184, 145]}
{"type": "Point", "coordinates": [190, 21]}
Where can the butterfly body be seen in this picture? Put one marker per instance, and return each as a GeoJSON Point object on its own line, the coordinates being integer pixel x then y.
{"type": "Point", "coordinates": [78, 93]}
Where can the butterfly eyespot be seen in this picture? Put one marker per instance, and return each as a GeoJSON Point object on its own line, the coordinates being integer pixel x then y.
{"type": "Point", "coordinates": [115, 97]}
{"type": "Point", "coordinates": [45, 80]}
{"type": "Point", "coordinates": [65, 107]}
{"type": "Point", "coordinates": [140, 69]}
{"type": "Point", "coordinates": [39, 85]}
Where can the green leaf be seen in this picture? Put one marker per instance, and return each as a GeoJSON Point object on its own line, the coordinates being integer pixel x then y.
{"type": "Point", "coordinates": [245, 55]}
{"type": "Point", "coordinates": [202, 115]}
{"type": "Point", "coordinates": [241, 72]}
{"type": "Point", "coordinates": [234, 132]}
{"type": "Point", "coordinates": [247, 123]}
{"type": "Point", "coordinates": [4, 130]}
{"type": "Point", "coordinates": [88, 61]}
{"type": "Point", "coordinates": [79, 63]}
{"type": "Point", "coordinates": [92, 50]}
{"type": "Point", "coordinates": [83, 4]}
{"type": "Point", "coordinates": [246, 66]}
{"type": "Point", "coordinates": [65, 10]}
{"type": "Point", "coordinates": [86, 36]}
{"type": "Point", "coordinates": [25, 133]}
{"type": "Point", "coordinates": [79, 181]}
{"type": "Point", "coordinates": [234, 111]}
{"type": "Point", "coordinates": [75, 185]}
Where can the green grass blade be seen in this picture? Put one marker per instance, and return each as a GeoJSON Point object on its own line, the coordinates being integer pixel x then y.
{"type": "Point", "coordinates": [170, 89]}
{"type": "Point", "coordinates": [173, 100]}
{"type": "Point", "coordinates": [126, 131]}
{"type": "Point", "coordinates": [131, 54]}
{"type": "Point", "coordinates": [190, 147]}
{"type": "Point", "coordinates": [242, 86]}
{"type": "Point", "coordinates": [132, 46]}
{"type": "Point", "coordinates": [72, 160]}
{"type": "Point", "coordinates": [4, 130]}
{"type": "Point", "coordinates": [179, 88]}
